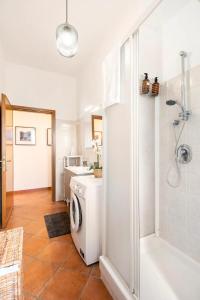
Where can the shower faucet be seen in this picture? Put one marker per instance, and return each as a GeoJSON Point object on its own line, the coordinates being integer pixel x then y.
{"type": "Point", "coordinates": [185, 112]}
{"type": "Point", "coordinates": [184, 115]}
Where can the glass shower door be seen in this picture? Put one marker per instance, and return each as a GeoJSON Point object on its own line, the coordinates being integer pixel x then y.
{"type": "Point", "coordinates": [120, 227]}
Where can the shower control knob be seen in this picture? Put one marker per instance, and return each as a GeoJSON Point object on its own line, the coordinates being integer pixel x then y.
{"type": "Point", "coordinates": [184, 154]}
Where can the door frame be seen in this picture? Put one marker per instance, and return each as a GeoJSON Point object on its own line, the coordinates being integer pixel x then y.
{"type": "Point", "coordinates": [4, 216]}
{"type": "Point", "coordinates": [53, 125]}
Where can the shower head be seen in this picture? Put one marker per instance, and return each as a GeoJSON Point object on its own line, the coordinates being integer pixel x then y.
{"type": "Point", "coordinates": [171, 102]}
{"type": "Point", "coordinates": [183, 114]}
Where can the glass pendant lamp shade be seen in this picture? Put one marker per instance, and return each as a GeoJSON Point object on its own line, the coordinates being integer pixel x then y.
{"type": "Point", "coordinates": [66, 38]}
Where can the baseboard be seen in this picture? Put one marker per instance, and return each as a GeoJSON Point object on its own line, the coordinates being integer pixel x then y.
{"type": "Point", "coordinates": [32, 190]}
{"type": "Point", "coordinates": [113, 281]}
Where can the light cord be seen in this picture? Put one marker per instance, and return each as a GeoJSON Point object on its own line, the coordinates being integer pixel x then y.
{"type": "Point", "coordinates": [66, 11]}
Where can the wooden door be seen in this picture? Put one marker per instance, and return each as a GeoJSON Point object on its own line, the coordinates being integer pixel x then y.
{"type": "Point", "coordinates": [6, 160]}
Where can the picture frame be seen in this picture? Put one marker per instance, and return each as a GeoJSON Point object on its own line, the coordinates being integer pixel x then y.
{"type": "Point", "coordinates": [49, 137]}
{"type": "Point", "coordinates": [25, 136]}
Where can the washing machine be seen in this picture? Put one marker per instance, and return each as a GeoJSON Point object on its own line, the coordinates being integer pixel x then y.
{"type": "Point", "coordinates": [85, 216]}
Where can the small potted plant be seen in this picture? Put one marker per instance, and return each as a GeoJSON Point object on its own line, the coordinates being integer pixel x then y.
{"type": "Point", "coordinates": [96, 166]}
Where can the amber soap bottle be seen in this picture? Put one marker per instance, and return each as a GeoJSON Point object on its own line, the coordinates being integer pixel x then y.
{"type": "Point", "coordinates": [145, 84]}
{"type": "Point", "coordinates": [155, 87]}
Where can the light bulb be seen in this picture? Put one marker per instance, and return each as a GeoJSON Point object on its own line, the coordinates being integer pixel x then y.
{"type": "Point", "coordinates": [67, 40]}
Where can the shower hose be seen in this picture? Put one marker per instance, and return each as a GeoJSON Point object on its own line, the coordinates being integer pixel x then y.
{"type": "Point", "coordinates": [175, 163]}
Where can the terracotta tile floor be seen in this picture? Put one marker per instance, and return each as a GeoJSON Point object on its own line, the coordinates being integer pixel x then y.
{"type": "Point", "coordinates": [53, 270]}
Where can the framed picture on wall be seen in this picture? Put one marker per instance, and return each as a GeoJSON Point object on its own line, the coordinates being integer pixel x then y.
{"type": "Point", "coordinates": [25, 135]}
{"type": "Point", "coordinates": [49, 136]}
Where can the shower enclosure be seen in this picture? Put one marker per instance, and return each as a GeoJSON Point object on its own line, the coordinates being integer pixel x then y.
{"type": "Point", "coordinates": [169, 153]}
{"type": "Point", "coordinates": [151, 214]}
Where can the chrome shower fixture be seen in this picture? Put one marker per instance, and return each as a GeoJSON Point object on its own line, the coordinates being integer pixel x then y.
{"type": "Point", "coordinates": [184, 96]}
{"type": "Point", "coordinates": [176, 123]}
{"type": "Point", "coordinates": [185, 112]}
{"type": "Point", "coordinates": [172, 102]}
{"type": "Point", "coordinates": [184, 115]}
{"type": "Point", "coordinates": [184, 154]}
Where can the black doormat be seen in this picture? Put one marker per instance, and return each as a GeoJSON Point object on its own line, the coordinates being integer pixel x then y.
{"type": "Point", "coordinates": [57, 224]}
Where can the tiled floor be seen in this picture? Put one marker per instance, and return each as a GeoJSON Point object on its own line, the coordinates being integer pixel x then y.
{"type": "Point", "coordinates": [53, 270]}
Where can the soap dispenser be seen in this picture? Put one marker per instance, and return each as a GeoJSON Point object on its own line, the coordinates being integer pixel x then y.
{"type": "Point", "coordinates": [145, 84]}
{"type": "Point", "coordinates": [155, 87]}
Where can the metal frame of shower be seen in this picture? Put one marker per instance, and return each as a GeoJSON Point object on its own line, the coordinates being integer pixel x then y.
{"type": "Point", "coordinates": [133, 34]}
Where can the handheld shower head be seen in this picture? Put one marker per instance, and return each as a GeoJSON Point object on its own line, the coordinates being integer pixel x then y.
{"type": "Point", "coordinates": [171, 102]}
{"type": "Point", "coordinates": [183, 114]}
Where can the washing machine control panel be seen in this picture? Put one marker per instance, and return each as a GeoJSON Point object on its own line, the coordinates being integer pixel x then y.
{"type": "Point", "coordinates": [78, 189]}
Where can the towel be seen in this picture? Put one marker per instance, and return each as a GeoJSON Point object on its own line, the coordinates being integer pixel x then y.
{"type": "Point", "coordinates": [111, 78]}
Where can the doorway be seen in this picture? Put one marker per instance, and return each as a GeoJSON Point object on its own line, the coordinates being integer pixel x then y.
{"type": "Point", "coordinates": [13, 136]}
{"type": "Point", "coordinates": [48, 136]}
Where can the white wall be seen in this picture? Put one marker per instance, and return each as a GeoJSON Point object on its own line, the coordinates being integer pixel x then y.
{"type": "Point", "coordinates": [180, 35]}
{"type": "Point", "coordinates": [33, 87]}
{"type": "Point", "coordinates": [180, 207]}
{"type": "Point", "coordinates": [1, 70]}
{"type": "Point", "coordinates": [32, 164]}
{"type": "Point", "coordinates": [37, 88]}
{"type": "Point", "coordinates": [90, 81]}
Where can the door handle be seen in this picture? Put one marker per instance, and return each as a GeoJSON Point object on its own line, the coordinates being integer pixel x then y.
{"type": "Point", "coordinates": [3, 164]}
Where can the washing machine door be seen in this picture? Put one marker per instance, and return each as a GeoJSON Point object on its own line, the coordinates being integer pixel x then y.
{"type": "Point", "coordinates": [75, 213]}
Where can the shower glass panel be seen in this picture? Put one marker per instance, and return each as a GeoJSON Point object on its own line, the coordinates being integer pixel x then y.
{"type": "Point", "coordinates": [169, 162]}
{"type": "Point", "coordinates": [118, 179]}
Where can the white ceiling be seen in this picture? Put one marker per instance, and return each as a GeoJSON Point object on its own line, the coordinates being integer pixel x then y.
{"type": "Point", "coordinates": [27, 30]}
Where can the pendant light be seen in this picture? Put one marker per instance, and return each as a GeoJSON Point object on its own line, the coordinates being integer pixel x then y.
{"type": "Point", "coordinates": [66, 38]}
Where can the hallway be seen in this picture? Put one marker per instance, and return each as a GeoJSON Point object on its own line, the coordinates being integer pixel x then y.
{"type": "Point", "coordinates": [53, 269]}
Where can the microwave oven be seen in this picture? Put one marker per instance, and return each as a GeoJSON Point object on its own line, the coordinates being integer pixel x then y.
{"type": "Point", "coordinates": [73, 160]}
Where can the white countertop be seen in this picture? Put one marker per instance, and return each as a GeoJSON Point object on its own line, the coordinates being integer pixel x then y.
{"type": "Point", "coordinates": [79, 170]}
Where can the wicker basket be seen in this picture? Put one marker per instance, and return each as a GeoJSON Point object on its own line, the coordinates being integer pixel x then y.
{"type": "Point", "coordinates": [98, 173]}
{"type": "Point", "coordinates": [11, 245]}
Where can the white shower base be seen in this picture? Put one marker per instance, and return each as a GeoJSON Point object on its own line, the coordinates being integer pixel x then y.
{"type": "Point", "coordinates": [166, 273]}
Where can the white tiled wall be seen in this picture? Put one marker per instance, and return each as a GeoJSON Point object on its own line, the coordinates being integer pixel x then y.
{"type": "Point", "coordinates": [180, 207]}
